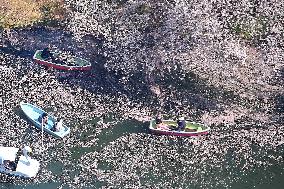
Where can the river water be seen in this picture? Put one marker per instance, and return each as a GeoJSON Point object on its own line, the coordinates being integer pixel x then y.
{"type": "Point", "coordinates": [123, 154]}
{"type": "Point", "coordinates": [261, 177]}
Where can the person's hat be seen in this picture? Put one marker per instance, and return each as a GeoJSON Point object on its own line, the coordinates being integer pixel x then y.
{"type": "Point", "coordinates": [181, 118]}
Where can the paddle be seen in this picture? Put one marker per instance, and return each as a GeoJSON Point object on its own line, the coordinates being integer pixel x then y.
{"type": "Point", "coordinates": [42, 134]}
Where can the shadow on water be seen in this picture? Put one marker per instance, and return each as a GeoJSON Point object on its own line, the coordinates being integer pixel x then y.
{"type": "Point", "coordinates": [279, 98]}
{"type": "Point", "coordinates": [121, 129]}
{"type": "Point", "coordinates": [28, 132]}
{"type": "Point", "coordinates": [108, 135]}
{"type": "Point", "coordinates": [18, 111]}
{"type": "Point", "coordinates": [13, 51]}
{"type": "Point", "coordinates": [108, 83]}
{"type": "Point", "coordinates": [22, 115]}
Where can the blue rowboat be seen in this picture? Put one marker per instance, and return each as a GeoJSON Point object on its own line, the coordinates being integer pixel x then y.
{"type": "Point", "coordinates": [34, 114]}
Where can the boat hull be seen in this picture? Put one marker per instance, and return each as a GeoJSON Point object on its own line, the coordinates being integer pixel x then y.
{"type": "Point", "coordinates": [176, 133]}
{"type": "Point", "coordinates": [33, 113]}
{"type": "Point", "coordinates": [154, 130]}
{"type": "Point", "coordinates": [60, 66]}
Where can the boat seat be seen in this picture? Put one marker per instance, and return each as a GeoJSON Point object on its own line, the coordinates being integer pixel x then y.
{"type": "Point", "coordinates": [190, 130]}
{"type": "Point", "coordinates": [199, 129]}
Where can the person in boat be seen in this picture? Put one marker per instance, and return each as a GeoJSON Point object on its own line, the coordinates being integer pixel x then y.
{"type": "Point", "coordinates": [58, 126]}
{"type": "Point", "coordinates": [46, 53]}
{"type": "Point", "coordinates": [102, 118]}
{"type": "Point", "coordinates": [43, 119]}
{"type": "Point", "coordinates": [158, 119]}
{"type": "Point", "coordinates": [26, 151]}
{"type": "Point", "coordinates": [160, 124]}
{"type": "Point", "coordinates": [181, 124]}
{"type": "Point", "coordinates": [7, 164]}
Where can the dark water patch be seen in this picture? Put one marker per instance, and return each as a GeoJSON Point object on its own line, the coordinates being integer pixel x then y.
{"type": "Point", "coordinates": [88, 133]}
{"type": "Point", "coordinates": [279, 101]}
{"type": "Point", "coordinates": [17, 52]}
{"type": "Point", "coordinates": [55, 167]}
{"type": "Point", "coordinates": [271, 177]}
{"type": "Point", "coordinates": [77, 152]}
{"type": "Point", "coordinates": [197, 93]}
{"type": "Point", "coordinates": [121, 129]}
{"type": "Point", "coordinates": [152, 178]}
{"type": "Point", "coordinates": [103, 165]}
{"type": "Point", "coordinates": [108, 135]}
{"type": "Point", "coordinates": [30, 186]}
{"type": "Point", "coordinates": [98, 184]}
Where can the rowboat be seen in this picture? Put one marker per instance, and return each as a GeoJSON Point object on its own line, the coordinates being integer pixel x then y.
{"type": "Point", "coordinates": [34, 114]}
{"type": "Point", "coordinates": [75, 63]}
{"type": "Point", "coordinates": [191, 129]}
{"type": "Point", "coordinates": [16, 162]}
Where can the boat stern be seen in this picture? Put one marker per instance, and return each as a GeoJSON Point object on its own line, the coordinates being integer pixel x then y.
{"type": "Point", "coordinates": [28, 169]}
{"type": "Point", "coordinates": [37, 55]}
{"type": "Point", "coordinates": [63, 132]}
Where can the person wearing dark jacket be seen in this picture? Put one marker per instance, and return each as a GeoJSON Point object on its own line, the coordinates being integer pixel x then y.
{"type": "Point", "coordinates": [46, 54]}
{"type": "Point", "coordinates": [158, 119]}
{"type": "Point", "coordinates": [181, 124]}
{"type": "Point", "coordinates": [43, 119]}
{"type": "Point", "coordinates": [159, 123]}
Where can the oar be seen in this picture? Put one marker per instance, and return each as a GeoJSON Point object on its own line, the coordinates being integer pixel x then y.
{"type": "Point", "coordinates": [42, 134]}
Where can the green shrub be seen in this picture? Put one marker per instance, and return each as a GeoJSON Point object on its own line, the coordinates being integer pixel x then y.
{"type": "Point", "coordinates": [250, 29]}
{"type": "Point", "coordinates": [19, 13]}
{"type": "Point", "coordinates": [22, 13]}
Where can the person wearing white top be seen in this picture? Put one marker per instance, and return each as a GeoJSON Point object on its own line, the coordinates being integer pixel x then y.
{"type": "Point", "coordinates": [59, 125]}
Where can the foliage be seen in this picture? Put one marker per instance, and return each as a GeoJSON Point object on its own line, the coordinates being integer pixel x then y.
{"type": "Point", "coordinates": [52, 10]}
{"type": "Point", "coordinates": [21, 13]}
{"type": "Point", "coordinates": [250, 29]}
{"type": "Point", "coordinates": [18, 13]}
{"type": "Point", "coordinates": [232, 45]}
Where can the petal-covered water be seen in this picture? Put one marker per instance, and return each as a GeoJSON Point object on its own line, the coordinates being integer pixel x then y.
{"type": "Point", "coordinates": [219, 63]}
